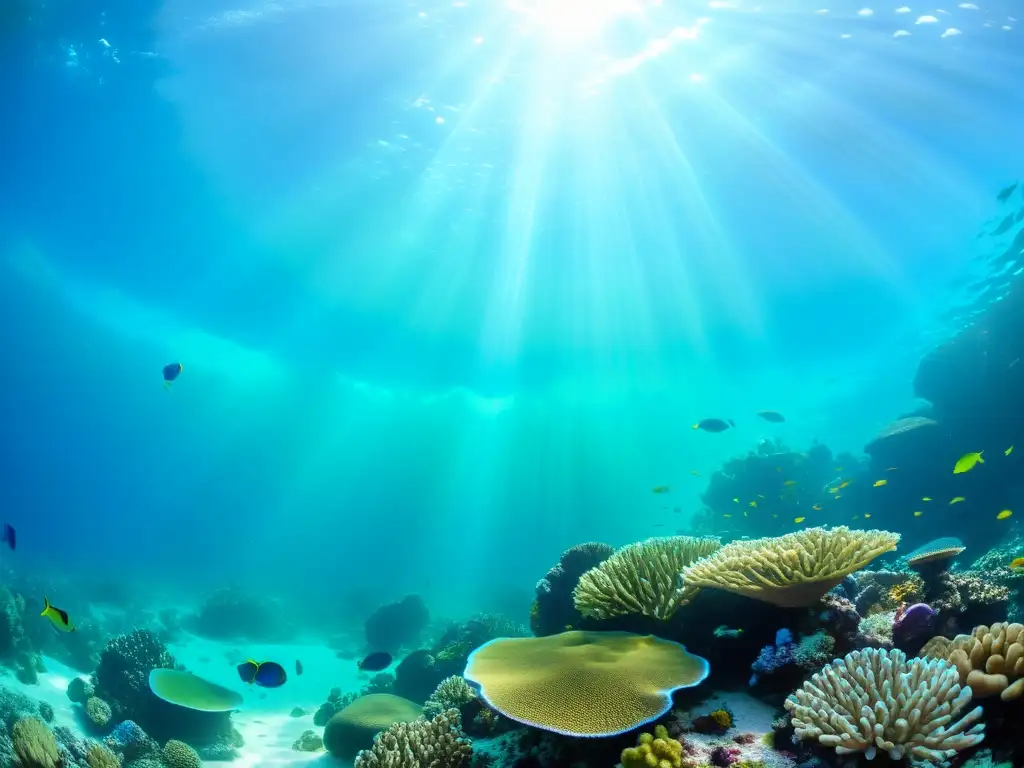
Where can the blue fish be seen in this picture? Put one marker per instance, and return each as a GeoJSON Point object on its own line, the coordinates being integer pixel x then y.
{"type": "Point", "coordinates": [266, 674]}
{"type": "Point", "coordinates": [171, 372]}
{"type": "Point", "coordinates": [10, 536]}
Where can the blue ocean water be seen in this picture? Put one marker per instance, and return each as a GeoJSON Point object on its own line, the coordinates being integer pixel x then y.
{"type": "Point", "coordinates": [451, 281]}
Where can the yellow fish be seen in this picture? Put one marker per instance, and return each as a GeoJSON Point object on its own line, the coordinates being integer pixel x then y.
{"type": "Point", "coordinates": [867, 515]}
{"type": "Point", "coordinates": [799, 519]}
{"type": "Point", "coordinates": [1017, 564]}
{"type": "Point", "coordinates": [891, 469]}
{"type": "Point", "coordinates": [838, 469]}
{"type": "Point", "coordinates": [816, 507]}
{"type": "Point", "coordinates": [838, 496]}
{"type": "Point", "coordinates": [926, 498]}
{"type": "Point", "coordinates": [833, 490]}
{"type": "Point", "coordinates": [1004, 514]}
{"type": "Point", "coordinates": [918, 514]}
{"type": "Point", "coordinates": [736, 500]}
{"type": "Point", "coordinates": [967, 462]}
{"type": "Point", "coordinates": [726, 515]}
{"type": "Point", "coordinates": [1008, 451]}
{"type": "Point", "coordinates": [57, 617]}
{"type": "Point", "coordinates": [752, 504]}
{"type": "Point", "coordinates": [790, 482]}
{"type": "Point", "coordinates": [880, 483]}
{"type": "Point", "coordinates": [844, 484]}
{"type": "Point", "coordinates": [660, 489]}
{"type": "Point", "coordinates": [957, 500]}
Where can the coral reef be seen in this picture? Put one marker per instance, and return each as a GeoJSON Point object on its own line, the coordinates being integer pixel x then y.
{"type": "Point", "coordinates": [230, 613]}
{"type": "Point", "coordinates": [353, 728]}
{"type": "Point", "coordinates": [642, 578]}
{"type": "Point", "coordinates": [80, 690]}
{"type": "Point", "coordinates": [435, 743]}
{"type": "Point", "coordinates": [554, 609]}
{"type": "Point", "coordinates": [122, 681]}
{"type": "Point", "coordinates": [396, 625]}
{"type": "Point", "coordinates": [794, 570]}
{"type": "Point", "coordinates": [97, 712]}
{"type": "Point", "coordinates": [873, 699]}
{"type": "Point", "coordinates": [875, 631]}
{"type": "Point", "coordinates": [98, 756]}
{"type": "Point", "coordinates": [583, 683]}
{"type": "Point", "coordinates": [130, 741]}
{"type": "Point", "coordinates": [451, 693]}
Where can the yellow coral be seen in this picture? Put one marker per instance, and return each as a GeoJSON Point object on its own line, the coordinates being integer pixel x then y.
{"type": "Point", "coordinates": [583, 683]}
{"type": "Point", "coordinates": [642, 578]}
{"type": "Point", "coordinates": [722, 718]}
{"type": "Point", "coordinates": [910, 591]}
{"type": "Point", "coordinates": [34, 744]}
{"type": "Point", "coordinates": [990, 660]}
{"type": "Point", "coordinates": [791, 571]}
{"type": "Point", "coordinates": [654, 751]}
{"type": "Point", "coordinates": [98, 756]}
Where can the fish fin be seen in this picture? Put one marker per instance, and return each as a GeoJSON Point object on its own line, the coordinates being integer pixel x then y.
{"type": "Point", "coordinates": [167, 385]}
{"type": "Point", "coordinates": [696, 426]}
{"type": "Point", "coordinates": [732, 423]}
{"type": "Point", "coordinates": [980, 460]}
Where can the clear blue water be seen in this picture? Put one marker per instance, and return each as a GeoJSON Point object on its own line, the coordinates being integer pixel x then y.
{"type": "Point", "coordinates": [451, 281]}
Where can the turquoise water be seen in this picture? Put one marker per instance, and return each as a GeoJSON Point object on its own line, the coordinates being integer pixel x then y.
{"type": "Point", "coordinates": [450, 282]}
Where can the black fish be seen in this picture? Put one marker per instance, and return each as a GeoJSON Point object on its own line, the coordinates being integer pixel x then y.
{"type": "Point", "coordinates": [10, 536]}
{"type": "Point", "coordinates": [773, 416]}
{"type": "Point", "coordinates": [714, 425]}
{"type": "Point", "coordinates": [298, 667]}
{"type": "Point", "coordinates": [375, 662]}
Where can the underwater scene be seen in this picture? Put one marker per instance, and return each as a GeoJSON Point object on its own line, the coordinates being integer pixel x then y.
{"type": "Point", "coordinates": [511, 384]}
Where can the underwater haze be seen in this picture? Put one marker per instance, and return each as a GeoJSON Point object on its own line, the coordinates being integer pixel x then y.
{"type": "Point", "coordinates": [452, 282]}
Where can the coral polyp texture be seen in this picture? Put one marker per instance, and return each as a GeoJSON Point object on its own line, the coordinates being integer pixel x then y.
{"type": "Point", "coordinates": [435, 743]}
{"type": "Point", "coordinates": [791, 571]}
{"type": "Point", "coordinates": [583, 683]}
{"type": "Point", "coordinates": [657, 750]}
{"type": "Point", "coordinates": [642, 578]}
{"type": "Point", "coordinates": [874, 700]}
{"type": "Point", "coordinates": [990, 660]}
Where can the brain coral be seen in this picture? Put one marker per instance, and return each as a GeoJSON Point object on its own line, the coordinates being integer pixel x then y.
{"type": "Point", "coordinates": [583, 683]}
{"type": "Point", "coordinates": [178, 754]}
{"type": "Point", "coordinates": [642, 578]}
{"type": "Point", "coordinates": [354, 727]}
{"type": "Point", "coordinates": [791, 571]}
{"type": "Point", "coordinates": [874, 699]}
{"type": "Point", "coordinates": [435, 743]}
{"type": "Point", "coordinates": [987, 660]}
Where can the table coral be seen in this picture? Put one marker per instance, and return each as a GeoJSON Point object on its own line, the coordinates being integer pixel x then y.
{"type": "Point", "coordinates": [790, 571]}
{"type": "Point", "coordinates": [583, 683]}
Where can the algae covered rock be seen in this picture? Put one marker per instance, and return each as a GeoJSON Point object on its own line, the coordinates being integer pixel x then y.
{"type": "Point", "coordinates": [353, 728]}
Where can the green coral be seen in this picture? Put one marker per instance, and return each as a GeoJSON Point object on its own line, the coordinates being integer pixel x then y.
{"type": "Point", "coordinates": [451, 693]}
{"type": "Point", "coordinates": [178, 754]}
{"type": "Point", "coordinates": [814, 651]}
{"type": "Point", "coordinates": [309, 741]}
{"type": "Point", "coordinates": [98, 712]}
{"type": "Point", "coordinates": [98, 756]}
{"type": "Point", "coordinates": [34, 744]}
{"type": "Point", "coordinates": [657, 750]}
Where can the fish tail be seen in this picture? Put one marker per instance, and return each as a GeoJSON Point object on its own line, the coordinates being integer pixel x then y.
{"type": "Point", "coordinates": [696, 426]}
{"type": "Point", "coordinates": [980, 460]}
{"type": "Point", "coordinates": [732, 423]}
{"type": "Point", "coordinates": [46, 605]}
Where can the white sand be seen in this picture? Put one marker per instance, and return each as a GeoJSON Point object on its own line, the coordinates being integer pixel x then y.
{"type": "Point", "coordinates": [264, 719]}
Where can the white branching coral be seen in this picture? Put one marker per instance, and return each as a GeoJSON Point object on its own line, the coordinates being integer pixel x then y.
{"type": "Point", "coordinates": [874, 700]}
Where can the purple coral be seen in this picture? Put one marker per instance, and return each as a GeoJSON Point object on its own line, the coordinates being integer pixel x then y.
{"type": "Point", "coordinates": [773, 657]}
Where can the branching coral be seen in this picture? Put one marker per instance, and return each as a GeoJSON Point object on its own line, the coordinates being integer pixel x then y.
{"type": "Point", "coordinates": [435, 743]}
{"type": "Point", "coordinates": [987, 660]}
{"type": "Point", "coordinates": [451, 693]}
{"type": "Point", "coordinates": [642, 578]}
{"type": "Point", "coordinates": [876, 630]}
{"type": "Point", "coordinates": [873, 700]}
{"type": "Point", "coordinates": [791, 571]}
{"type": "Point", "coordinates": [34, 744]}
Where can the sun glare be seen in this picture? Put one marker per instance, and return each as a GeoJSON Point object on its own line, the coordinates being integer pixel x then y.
{"type": "Point", "coordinates": [575, 19]}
